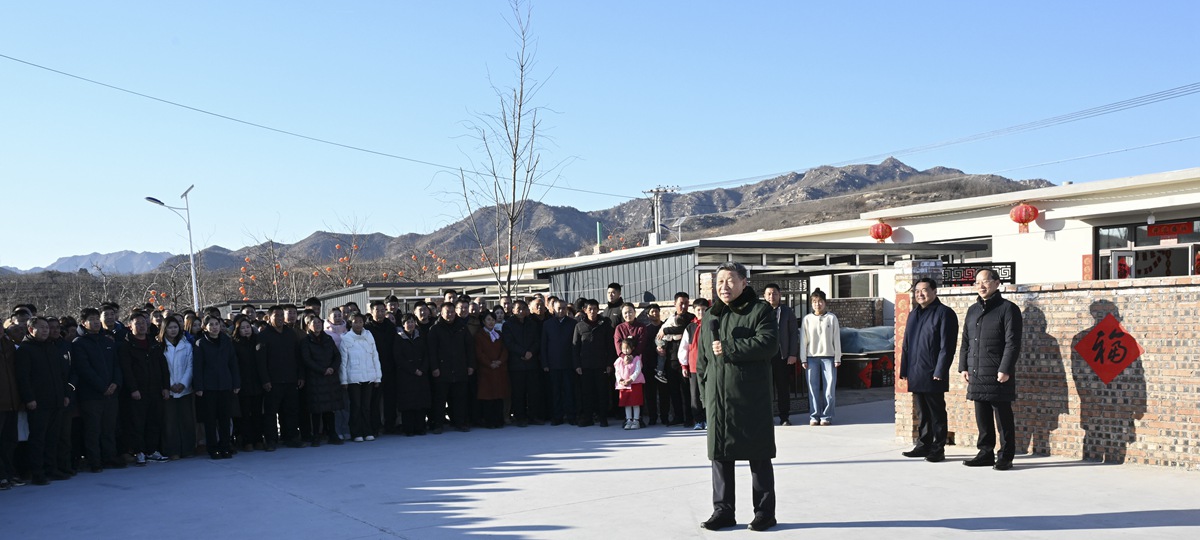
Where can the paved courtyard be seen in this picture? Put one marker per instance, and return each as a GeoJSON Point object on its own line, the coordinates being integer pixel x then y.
{"type": "Point", "coordinates": [842, 481]}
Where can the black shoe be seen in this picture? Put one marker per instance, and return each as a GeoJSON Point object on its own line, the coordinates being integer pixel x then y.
{"type": "Point", "coordinates": [556, 422]}
{"type": "Point", "coordinates": [96, 469]}
{"type": "Point", "coordinates": [115, 465]}
{"type": "Point", "coordinates": [521, 423]}
{"type": "Point", "coordinates": [587, 423]}
{"type": "Point", "coordinates": [316, 443]}
{"type": "Point", "coordinates": [785, 422]}
{"type": "Point", "coordinates": [1003, 464]}
{"type": "Point", "coordinates": [762, 523]}
{"type": "Point", "coordinates": [269, 447]}
{"type": "Point", "coordinates": [917, 452]}
{"type": "Point", "coordinates": [536, 422]}
{"type": "Point", "coordinates": [39, 481]}
{"type": "Point", "coordinates": [718, 522]}
{"type": "Point", "coordinates": [437, 430]}
{"type": "Point", "coordinates": [982, 459]}
{"type": "Point", "coordinates": [604, 422]}
{"type": "Point", "coordinates": [57, 475]}
{"type": "Point", "coordinates": [936, 457]}
{"type": "Point", "coordinates": [652, 421]}
{"type": "Point", "coordinates": [335, 440]}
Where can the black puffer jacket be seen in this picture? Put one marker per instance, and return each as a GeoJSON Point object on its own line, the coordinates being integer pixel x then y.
{"type": "Point", "coordinates": [991, 343]}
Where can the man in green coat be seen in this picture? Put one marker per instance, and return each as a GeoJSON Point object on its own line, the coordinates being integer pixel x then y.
{"type": "Point", "coordinates": [739, 340]}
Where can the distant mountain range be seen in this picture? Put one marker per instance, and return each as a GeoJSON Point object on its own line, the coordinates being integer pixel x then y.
{"type": "Point", "coordinates": [121, 262]}
{"type": "Point", "coordinates": [814, 196]}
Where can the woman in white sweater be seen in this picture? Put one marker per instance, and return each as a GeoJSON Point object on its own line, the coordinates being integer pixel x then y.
{"type": "Point", "coordinates": [820, 354]}
{"type": "Point", "coordinates": [361, 374]}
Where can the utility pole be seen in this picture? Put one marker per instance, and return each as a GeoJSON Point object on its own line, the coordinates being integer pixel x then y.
{"type": "Point", "coordinates": [657, 194]}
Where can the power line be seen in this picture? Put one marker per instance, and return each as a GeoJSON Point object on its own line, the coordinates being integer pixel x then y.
{"type": "Point", "coordinates": [287, 132]}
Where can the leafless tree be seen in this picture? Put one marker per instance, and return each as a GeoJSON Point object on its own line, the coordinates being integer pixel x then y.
{"type": "Point", "coordinates": [497, 189]}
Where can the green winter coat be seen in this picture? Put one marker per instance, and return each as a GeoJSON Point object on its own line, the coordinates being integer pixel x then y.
{"type": "Point", "coordinates": [736, 386]}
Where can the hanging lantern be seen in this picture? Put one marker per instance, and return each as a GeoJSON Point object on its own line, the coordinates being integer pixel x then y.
{"type": "Point", "coordinates": [881, 231]}
{"type": "Point", "coordinates": [1023, 214]}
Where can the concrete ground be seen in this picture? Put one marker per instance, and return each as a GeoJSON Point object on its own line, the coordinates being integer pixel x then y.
{"type": "Point", "coordinates": [841, 481]}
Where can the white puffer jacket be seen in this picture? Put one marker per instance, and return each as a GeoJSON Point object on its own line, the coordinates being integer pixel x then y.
{"type": "Point", "coordinates": [360, 358]}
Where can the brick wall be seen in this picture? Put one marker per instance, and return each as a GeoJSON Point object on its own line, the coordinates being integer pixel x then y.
{"type": "Point", "coordinates": [1149, 414]}
{"type": "Point", "coordinates": [857, 312]}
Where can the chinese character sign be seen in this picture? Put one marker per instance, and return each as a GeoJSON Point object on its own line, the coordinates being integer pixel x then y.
{"type": "Point", "coordinates": [1109, 349]}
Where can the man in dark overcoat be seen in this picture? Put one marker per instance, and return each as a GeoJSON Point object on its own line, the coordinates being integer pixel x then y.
{"type": "Point", "coordinates": [991, 343]}
{"type": "Point", "coordinates": [784, 365]}
{"type": "Point", "coordinates": [740, 341]}
{"type": "Point", "coordinates": [925, 359]}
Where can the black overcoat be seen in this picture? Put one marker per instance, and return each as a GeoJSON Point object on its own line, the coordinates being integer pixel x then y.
{"type": "Point", "coordinates": [991, 344]}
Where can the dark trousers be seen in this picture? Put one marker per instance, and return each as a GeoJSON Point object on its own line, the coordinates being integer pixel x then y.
{"type": "Point", "coordinates": [361, 412]}
{"type": "Point", "coordinates": [70, 440]}
{"type": "Point", "coordinates": [1002, 413]}
{"type": "Point", "coordinates": [526, 395]}
{"type": "Point", "coordinates": [412, 421]}
{"type": "Point", "coordinates": [142, 423]}
{"type": "Point", "coordinates": [454, 394]}
{"type": "Point", "coordinates": [783, 375]}
{"type": "Point", "coordinates": [593, 395]}
{"type": "Point", "coordinates": [303, 414]}
{"type": "Point", "coordinates": [249, 425]}
{"type": "Point", "coordinates": [100, 430]}
{"type": "Point", "coordinates": [8, 444]}
{"type": "Point", "coordinates": [492, 411]}
{"type": "Point", "coordinates": [931, 416]}
{"type": "Point", "coordinates": [179, 426]}
{"type": "Point", "coordinates": [762, 480]}
{"type": "Point", "coordinates": [697, 401]}
{"type": "Point", "coordinates": [389, 396]}
{"type": "Point", "coordinates": [217, 407]}
{"type": "Point", "coordinates": [676, 390]}
{"type": "Point", "coordinates": [652, 391]}
{"type": "Point", "coordinates": [281, 407]}
{"type": "Point", "coordinates": [562, 392]}
{"type": "Point", "coordinates": [44, 427]}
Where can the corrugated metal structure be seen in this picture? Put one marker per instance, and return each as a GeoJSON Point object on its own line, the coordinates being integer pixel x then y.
{"type": "Point", "coordinates": [656, 274]}
{"type": "Point", "coordinates": [409, 293]}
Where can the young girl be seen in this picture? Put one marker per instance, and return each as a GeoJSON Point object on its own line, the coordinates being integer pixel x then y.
{"type": "Point", "coordinates": [629, 377]}
{"type": "Point", "coordinates": [820, 355]}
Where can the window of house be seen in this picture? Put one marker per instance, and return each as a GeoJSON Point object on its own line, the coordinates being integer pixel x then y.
{"type": "Point", "coordinates": [1141, 250]}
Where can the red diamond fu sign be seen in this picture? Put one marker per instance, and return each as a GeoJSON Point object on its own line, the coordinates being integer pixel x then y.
{"type": "Point", "coordinates": [1109, 349]}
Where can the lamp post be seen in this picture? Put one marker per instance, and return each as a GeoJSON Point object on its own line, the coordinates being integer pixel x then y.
{"type": "Point", "coordinates": [187, 220]}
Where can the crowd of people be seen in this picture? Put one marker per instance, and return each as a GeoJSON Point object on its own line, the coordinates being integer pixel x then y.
{"type": "Point", "coordinates": [111, 389]}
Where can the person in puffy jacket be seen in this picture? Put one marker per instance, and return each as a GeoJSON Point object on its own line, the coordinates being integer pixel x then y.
{"type": "Point", "coordinates": [321, 361]}
{"type": "Point", "coordinates": [361, 374]}
{"type": "Point", "coordinates": [991, 344]}
{"type": "Point", "coordinates": [216, 380]}
{"type": "Point", "coordinates": [179, 412]}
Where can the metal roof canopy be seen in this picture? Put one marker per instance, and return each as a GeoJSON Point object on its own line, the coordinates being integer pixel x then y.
{"type": "Point", "coordinates": [423, 289]}
{"type": "Point", "coordinates": [812, 258]}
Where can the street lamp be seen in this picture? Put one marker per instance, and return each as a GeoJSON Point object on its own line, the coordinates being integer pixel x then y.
{"type": "Point", "coordinates": [187, 220]}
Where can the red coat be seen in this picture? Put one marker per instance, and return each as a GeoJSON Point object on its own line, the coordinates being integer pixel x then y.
{"type": "Point", "coordinates": [493, 381]}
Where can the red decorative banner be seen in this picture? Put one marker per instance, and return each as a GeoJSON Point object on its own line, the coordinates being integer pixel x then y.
{"type": "Point", "coordinates": [1109, 349]}
{"type": "Point", "coordinates": [1170, 229]}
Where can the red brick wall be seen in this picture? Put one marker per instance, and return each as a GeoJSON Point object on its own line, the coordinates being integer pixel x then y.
{"type": "Point", "coordinates": [1149, 414]}
{"type": "Point", "coordinates": [857, 312]}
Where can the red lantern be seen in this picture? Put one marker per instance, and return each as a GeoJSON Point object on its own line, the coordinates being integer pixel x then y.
{"type": "Point", "coordinates": [1023, 214]}
{"type": "Point", "coordinates": [881, 231]}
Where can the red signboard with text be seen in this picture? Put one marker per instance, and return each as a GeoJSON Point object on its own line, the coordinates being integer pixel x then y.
{"type": "Point", "coordinates": [1170, 229]}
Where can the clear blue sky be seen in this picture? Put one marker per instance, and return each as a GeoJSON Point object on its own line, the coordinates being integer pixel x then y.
{"type": "Point", "coordinates": [644, 93]}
